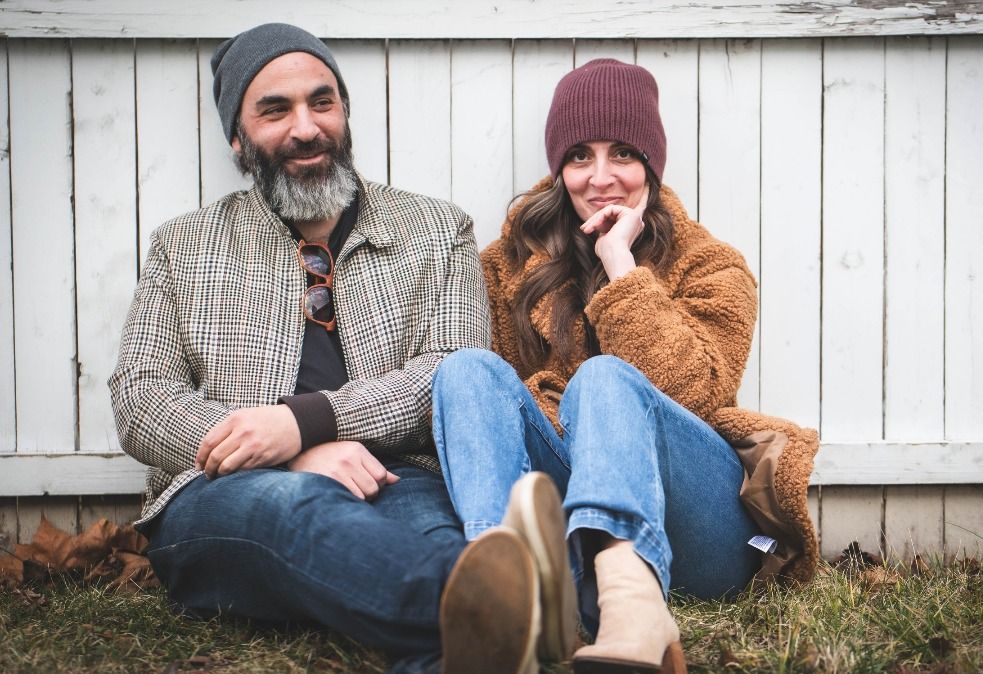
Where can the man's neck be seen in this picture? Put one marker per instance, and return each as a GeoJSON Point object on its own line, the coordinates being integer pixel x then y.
{"type": "Point", "coordinates": [317, 230]}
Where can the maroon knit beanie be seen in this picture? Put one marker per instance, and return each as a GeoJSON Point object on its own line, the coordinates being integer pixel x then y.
{"type": "Point", "coordinates": [606, 99]}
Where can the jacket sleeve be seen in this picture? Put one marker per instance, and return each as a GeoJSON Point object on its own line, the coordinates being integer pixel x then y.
{"type": "Point", "coordinates": [161, 416]}
{"type": "Point", "coordinates": [693, 344]}
{"type": "Point", "coordinates": [546, 386]}
{"type": "Point", "coordinates": [392, 412]}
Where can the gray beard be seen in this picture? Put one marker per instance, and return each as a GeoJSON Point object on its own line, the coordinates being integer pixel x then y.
{"type": "Point", "coordinates": [317, 193]}
{"type": "Point", "coordinates": [320, 198]}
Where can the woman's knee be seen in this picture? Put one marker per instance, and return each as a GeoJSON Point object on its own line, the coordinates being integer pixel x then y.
{"type": "Point", "coordinates": [611, 372]}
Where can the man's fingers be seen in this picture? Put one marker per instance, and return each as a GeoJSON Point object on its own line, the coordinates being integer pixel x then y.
{"type": "Point", "coordinates": [219, 454]}
{"type": "Point", "coordinates": [351, 486]}
{"type": "Point", "coordinates": [374, 468]}
{"type": "Point", "coordinates": [367, 484]}
{"type": "Point", "coordinates": [212, 439]}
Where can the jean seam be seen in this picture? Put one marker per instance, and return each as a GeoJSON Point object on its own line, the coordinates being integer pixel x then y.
{"type": "Point", "coordinates": [533, 420]}
{"type": "Point", "coordinates": [352, 598]}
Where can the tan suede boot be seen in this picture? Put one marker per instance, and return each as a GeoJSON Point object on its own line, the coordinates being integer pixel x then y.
{"type": "Point", "coordinates": [637, 632]}
{"type": "Point", "coordinates": [536, 513]}
{"type": "Point", "coordinates": [489, 611]}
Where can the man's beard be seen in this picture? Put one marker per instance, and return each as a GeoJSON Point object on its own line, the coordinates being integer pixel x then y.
{"type": "Point", "coordinates": [314, 193]}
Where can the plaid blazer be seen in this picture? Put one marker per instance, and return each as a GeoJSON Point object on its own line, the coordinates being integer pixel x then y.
{"type": "Point", "coordinates": [216, 324]}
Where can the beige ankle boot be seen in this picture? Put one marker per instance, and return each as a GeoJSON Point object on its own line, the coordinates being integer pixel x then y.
{"type": "Point", "coordinates": [637, 632]}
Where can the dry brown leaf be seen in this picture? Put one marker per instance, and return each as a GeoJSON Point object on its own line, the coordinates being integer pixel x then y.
{"type": "Point", "coordinates": [135, 574]}
{"type": "Point", "coordinates": [103, 550]}
{"type": "Point", "coordinates": [11, 570]}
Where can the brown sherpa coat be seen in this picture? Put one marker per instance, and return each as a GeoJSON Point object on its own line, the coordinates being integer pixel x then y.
{"type": "Point", "coordinates": [688, 329]}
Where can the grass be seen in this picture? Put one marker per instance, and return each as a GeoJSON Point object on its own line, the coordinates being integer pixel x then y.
{"type": "Point", "coordinates": [849, 620]}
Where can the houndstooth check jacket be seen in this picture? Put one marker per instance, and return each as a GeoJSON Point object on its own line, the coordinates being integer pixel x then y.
{"type": "Point", "coordinates": [216, 324]}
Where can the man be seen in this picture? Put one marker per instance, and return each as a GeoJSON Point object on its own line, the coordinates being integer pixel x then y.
{"type": "Point", "coordinates": [275, 372]}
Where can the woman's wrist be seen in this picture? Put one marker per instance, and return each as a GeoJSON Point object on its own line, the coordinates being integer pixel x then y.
{"type": "Point", "coordinates": [617, 263]}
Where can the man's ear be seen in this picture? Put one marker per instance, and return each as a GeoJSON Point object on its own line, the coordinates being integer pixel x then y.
{"type": "Point", "coordinates": [235, 144]}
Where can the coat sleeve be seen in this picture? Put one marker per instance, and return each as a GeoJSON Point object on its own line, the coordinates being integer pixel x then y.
{"type": "Point", "coordinates": [392, 411]}
{"type": "Point", "coordinates": [161, 415]}
{"type": "Point", "coordinates": [693, 343]}
{"type": "Point", "coordinates": [546, 386]}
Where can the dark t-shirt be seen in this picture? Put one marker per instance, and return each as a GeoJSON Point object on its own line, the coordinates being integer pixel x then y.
{"type": "Point", "coordinates": [322, 361]}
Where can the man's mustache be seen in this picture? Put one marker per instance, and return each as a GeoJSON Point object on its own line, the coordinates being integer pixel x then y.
{"type": "Point", "coordinates": [302, 150]}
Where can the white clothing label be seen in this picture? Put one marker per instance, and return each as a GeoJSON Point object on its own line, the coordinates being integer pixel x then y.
{"type": "Point", "coordinates": [763, 543]}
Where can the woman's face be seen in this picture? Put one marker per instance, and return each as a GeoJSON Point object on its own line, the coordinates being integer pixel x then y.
{"type": "Point", "coordinates": [603, 172]}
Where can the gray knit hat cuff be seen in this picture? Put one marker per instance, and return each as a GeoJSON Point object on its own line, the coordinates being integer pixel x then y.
{"type": "Point", "coordinates": [237, 60]}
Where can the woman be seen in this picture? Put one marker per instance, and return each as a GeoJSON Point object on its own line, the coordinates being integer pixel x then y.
{"type": "Point", "coordinates": [622, 330]}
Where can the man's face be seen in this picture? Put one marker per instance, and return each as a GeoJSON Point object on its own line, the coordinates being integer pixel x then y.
{"type": "Point", "coordinates": [292, 136]}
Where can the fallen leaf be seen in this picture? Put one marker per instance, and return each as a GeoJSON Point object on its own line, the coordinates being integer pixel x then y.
{"type": "Point", "coordinates": [853, 556]}
{"type": "Point", "coordinates": [940, 646]}
{"type": "Point", "coordinates": [103, 550]}
{"type": "Point", "coordinates": [11, 570]}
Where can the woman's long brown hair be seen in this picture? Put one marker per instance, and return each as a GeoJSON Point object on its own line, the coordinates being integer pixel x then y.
{"type": "Point", "coordinates": [545, 222]}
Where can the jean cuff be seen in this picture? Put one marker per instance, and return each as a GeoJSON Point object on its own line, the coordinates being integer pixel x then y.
{"type": "Point", "coordinates": [650, 545]}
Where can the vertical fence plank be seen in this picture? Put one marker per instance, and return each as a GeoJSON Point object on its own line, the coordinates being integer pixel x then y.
{"type": "Point", "coordinates": [675, 64]}
{"type": "Point", "coordinates": [420, 116]}
{"type": "Point", "coordinates": [537, 66]}
{"type": "Point", "coordinates": [61, 511]}
{"type": "Point", "coordinates": [814, 498]}
{"type": "Point", "coordinates": [43, 238]}
{"type": "Point", "coordinates": [964, 241]}
{"type": "Point", "coordinates": [8, 523]}
{"type": "Point", "coordinates": [914, 164]}
{"type": "Point", "coordinates": [116, 509]}
{"type": "Point", "coordinates": [913, 521]}
{"type": "Point", "coordinates": [8, 413]}
{"type": "Point", "coordinates": [167, 132]}
{"type": "Point", "coordinates": [481, 132]}
{"type": "Point", "coordinates": [105, 222]}
{"type": "Point", "coordinates": [853, 240]}
{"type": "Point", "coordinates": [964, 521]}
{"type": "Point", "coordinates": [791, 201]}
{"type": "Point", "coordinates": [851, 514]}
{"type": "Point", "coordinates": [730, 180]}
{"type": "Point", "coordinates": [219, 174]}
{"type": "Point", "coordinates": [588, 50]}
{"type": "Point", "coordinates": [363, 65]}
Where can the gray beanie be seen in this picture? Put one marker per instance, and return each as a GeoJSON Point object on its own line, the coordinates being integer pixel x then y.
{"type": "Point", "coordinates": [237, 60]}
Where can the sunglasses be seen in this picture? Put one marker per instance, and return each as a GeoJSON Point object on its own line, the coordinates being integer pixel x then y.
{"type": "Point", "coordinates": [318, 300]}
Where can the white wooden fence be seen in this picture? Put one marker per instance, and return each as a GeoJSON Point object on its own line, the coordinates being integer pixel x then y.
{"type": "Point", "coordinates": [838, 145]}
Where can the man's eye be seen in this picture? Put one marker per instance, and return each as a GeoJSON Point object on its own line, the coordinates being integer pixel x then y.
{"type": "Point", "coordinates": [323, 103]}
{"type": "Point", "coordinates": [277, 110]}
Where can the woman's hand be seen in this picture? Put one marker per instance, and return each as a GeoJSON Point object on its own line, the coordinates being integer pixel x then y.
{"type": "Point", "coordinates": [617, 227]}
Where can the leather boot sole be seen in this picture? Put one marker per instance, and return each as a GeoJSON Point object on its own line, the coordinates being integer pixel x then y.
{"type": "Point", "coordinates": [489, 612]}
{"type": "Point", "coordinates": [536, 512]}
{"type": "Point", "coordinates": [673, 662]}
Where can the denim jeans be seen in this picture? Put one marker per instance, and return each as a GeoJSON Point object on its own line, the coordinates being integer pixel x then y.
{"type": "Point", "coordinates": [281, 546]}
{"type": "Point", "coordinates": [631, 462]}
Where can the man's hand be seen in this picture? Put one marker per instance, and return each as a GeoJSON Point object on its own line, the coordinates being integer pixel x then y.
{"type": "Point", "coordinates": [350, 463]}
{"type": "Point", "coordinates": [253, 437]}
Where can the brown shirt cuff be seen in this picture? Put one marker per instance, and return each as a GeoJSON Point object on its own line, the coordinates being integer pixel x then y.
{"type": "Point", "coordinates": [315, 418]}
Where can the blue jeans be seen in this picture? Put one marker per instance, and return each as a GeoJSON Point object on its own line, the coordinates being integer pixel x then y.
{"type": "Point", "coordinates": [275, 545]}
{"type": "Point", "coordinates": [631, 462]}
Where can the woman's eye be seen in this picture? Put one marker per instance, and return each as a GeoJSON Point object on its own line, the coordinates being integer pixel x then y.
{"type": "Point", "coordinates": [578, 156]}
{"type": "Point", "coordinates": [624, 153]}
